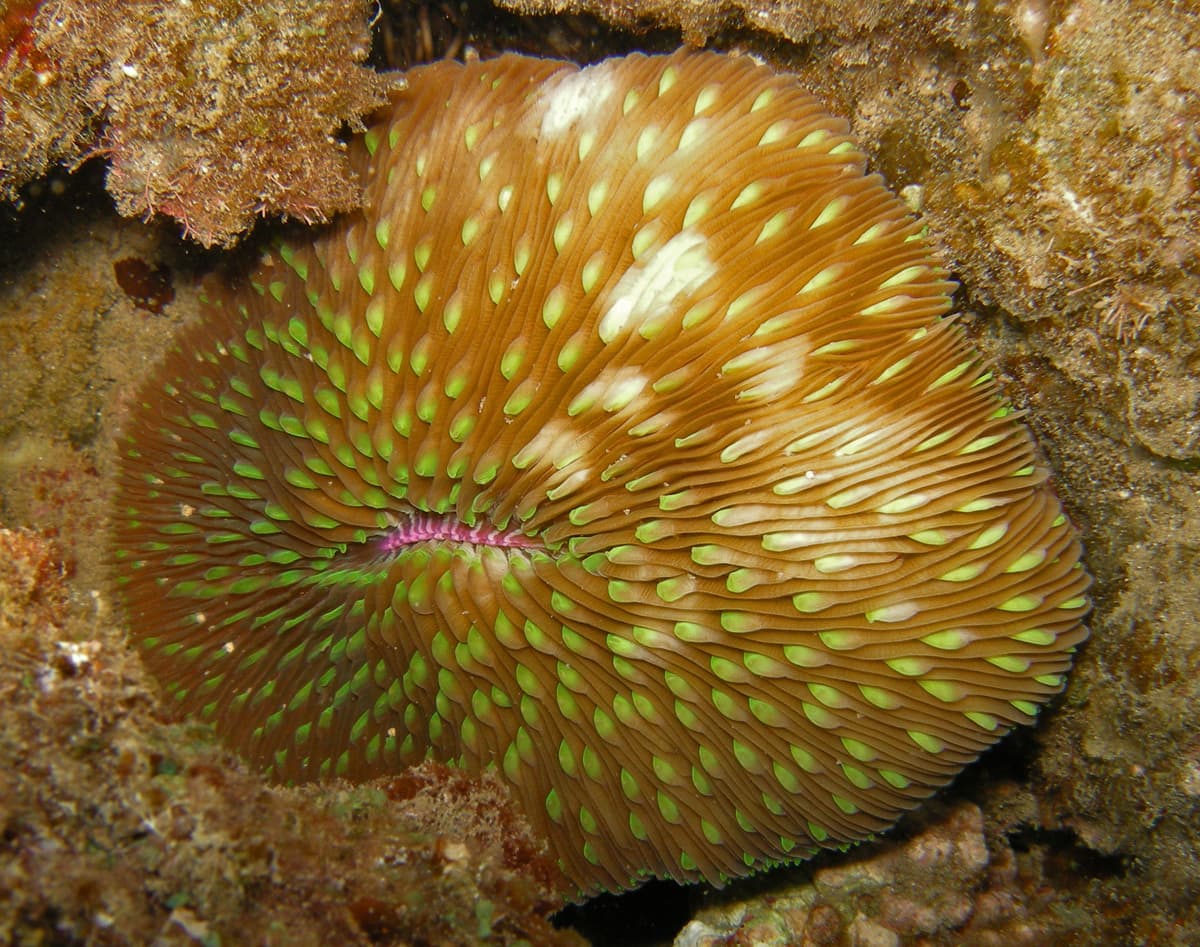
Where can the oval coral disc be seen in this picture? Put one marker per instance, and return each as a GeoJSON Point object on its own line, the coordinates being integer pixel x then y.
{"type": "Point", "coordinates": [621, 444]}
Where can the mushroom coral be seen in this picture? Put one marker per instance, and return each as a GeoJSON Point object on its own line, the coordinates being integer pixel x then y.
{"type": "Point", "coordinates": [620, 444]}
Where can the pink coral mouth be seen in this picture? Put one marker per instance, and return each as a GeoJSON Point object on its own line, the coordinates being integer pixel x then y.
{"type": "Point", "coordinates": [425, 527]}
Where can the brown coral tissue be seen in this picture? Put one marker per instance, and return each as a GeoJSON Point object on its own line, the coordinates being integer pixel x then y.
{"type": "Point", "coordinates": [621, 444]}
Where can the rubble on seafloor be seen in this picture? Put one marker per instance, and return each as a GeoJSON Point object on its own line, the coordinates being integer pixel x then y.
{"type": "Point", "coordinates": [946, 882]}
{"type": "Point", "coordinates": [117, 828]}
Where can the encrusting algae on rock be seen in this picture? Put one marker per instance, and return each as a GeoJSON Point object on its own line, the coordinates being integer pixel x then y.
{"type": "Point", "coordinates": [213, 114]}
{"type": "Point", "coordinates": [619, 445]}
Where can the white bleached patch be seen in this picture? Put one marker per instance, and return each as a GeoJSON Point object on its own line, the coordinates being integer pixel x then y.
{"type": "Point", "coordinates": [773, 381]}
{"type": "Point", "coordinates": [622, 387]}
{"type": "Point", "coordinates": [572, 96]}
{"type": "Point", "coordinates": [680, 266]}
{"type": "Point", "coordinates": [573, 481]}
{"type": "Point", "coordinates": [558, 442]}
{"type": "Point", "coordinates": [613, 390]}
{"type": "Point", "coordinates": [661, 421]}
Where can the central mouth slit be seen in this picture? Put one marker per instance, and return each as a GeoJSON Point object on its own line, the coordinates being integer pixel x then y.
{"type": "Point", "coordinates": [425, 527]}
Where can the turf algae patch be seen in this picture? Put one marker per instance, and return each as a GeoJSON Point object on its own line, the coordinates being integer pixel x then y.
{"type": "Point", "coordinates": [621, 446]}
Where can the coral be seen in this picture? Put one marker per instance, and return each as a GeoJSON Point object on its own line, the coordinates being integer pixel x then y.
{"type": "Point", "coordinates": [1109, 776]}
{"type": "Point", "coordinates": [507, 473]}
{"type": "Point", "coordinates": [211, 114]}
{"type": "Point", "coordinates": [120, 830]}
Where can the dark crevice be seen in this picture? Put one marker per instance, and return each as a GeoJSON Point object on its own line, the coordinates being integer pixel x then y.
{"type": "Point", "coordinates": [1068, 861]}
{"type": "Point", "coordinates": [646, 917]}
